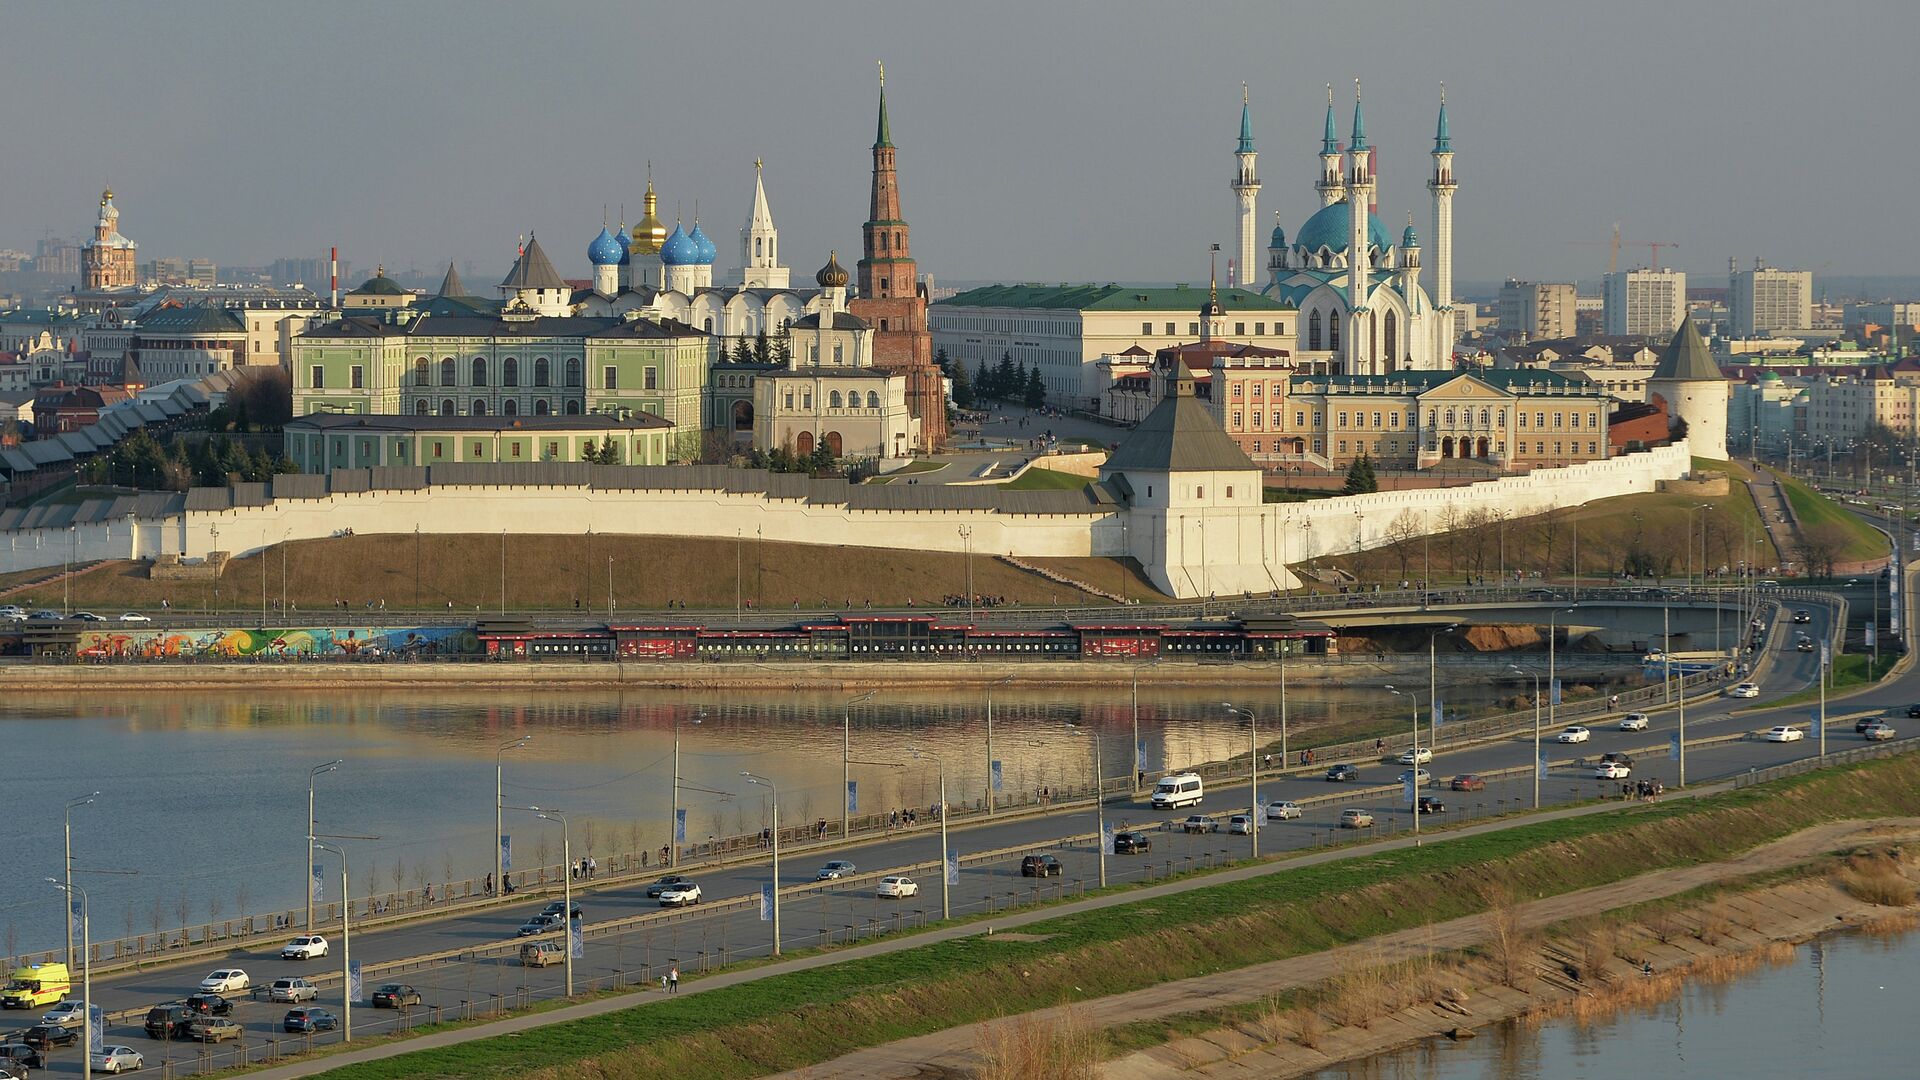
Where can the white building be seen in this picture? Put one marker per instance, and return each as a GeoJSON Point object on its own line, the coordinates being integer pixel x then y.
{"type": "Point", "coordinates": [1539, 309]}
{"type": "Point", "coordinates": [1765, 300]}
{"type": "Point", "coordinates": [1645, 303]}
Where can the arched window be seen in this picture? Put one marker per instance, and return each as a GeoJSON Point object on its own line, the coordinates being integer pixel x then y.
{"type": "Point", "coordinates": [833, 400]}
{"type": "Point", "coordinates": [1449, 417]}
{"type": "Point", "coordinates": [420, 407]}
{"type": "Point", "coordinates": [510, 372]}
{"type": "Point", "coordinates": [873, 399]}
{"type": "Point", "coordinates": [1485, 418]}
{"type": "Point", "coordinates": [540, 407]}
{"type": "Point", "coordinates": [1333, 331]}
{"type": "Point", "coordinates": [510, 407]}
{"type": "Point", "coordinates": [786, 325]}
{"type": "Point", "coordinates": [1432, 417]}
{"type": "Point", "coordinates": [707, 324]}
{"type": "Point", "coordinates": [573, 408]}
{"type": "Point", "coordinates": [883, 241]}
{"type": "Point", "coordinates": [1392, 338]}
{"type": "Point", "coordinates": [756, 247]}
{"type": "Point", "coordinates": [446, 371]}
{"type": "Point", "coordinates": [1503, 417]}
{"type": "Point", "coordinates": [422, 372]}
{"type": "Point", "coordinates": [479, 371]}
{"type": "Point", "coordinates": [1313, 331]}
{"type": "Point", "coordinates": [479, 407]}
{"type": "Point", "coordinates": [446, 406]}
{"type": "Point", "coordinates": [540, 371]}
{"type": "Point", "coordinates": [573, 371]}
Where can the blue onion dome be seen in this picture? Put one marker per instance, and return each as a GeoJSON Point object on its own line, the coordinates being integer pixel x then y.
{"type": "Point", "coordinates": [706, 251]}
{"type": "Point", "coordinates": [1329, 228]}
{"type": "Point", "coordinates": [605, 250]}
{"type": "Point", "coordinates": [678, 249]}
{"type": "Point", "coordinates": [626, 245]}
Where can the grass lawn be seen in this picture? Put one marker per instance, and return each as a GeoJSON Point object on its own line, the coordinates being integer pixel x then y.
{"type": "Point", "coordinates": [1038, 479]}
{"type": "Point", "coordinates": [792, 1020]}
{"type": "Point", "coordinates": [1816, 511]}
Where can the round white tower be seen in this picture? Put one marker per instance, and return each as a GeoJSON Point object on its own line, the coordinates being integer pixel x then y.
{"type": "Point", "coordinates": [1694, 390]}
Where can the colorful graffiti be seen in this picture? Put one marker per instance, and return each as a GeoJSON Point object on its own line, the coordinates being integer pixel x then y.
{"type": "Point", "coordinates": [232, 643]}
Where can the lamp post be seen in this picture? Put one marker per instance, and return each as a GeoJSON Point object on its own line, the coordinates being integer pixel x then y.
{"type": "Point", "coordinates": [846, 769]}
{"type": "Point", "coordinates": [67, 866]}
{"type": "Point", "coordinates": [1553, 638]}
{"type": "Point", "coordinates": [989, 785]}
{"type": "Point", "coordinates": [1413, 800]}
{"type": "Point", "coordinates": [1536, 729]}
{"type": "Point", "coordinates": [306, 868]}
{"type": "Point", "coordinates": [499, 801]}
{"type": "Point", "coordinates": [566, 883]}
{"type": "Point", "coordinates": [946, 897]}
{"type": "Point", "coordinates": [1253, 772]}
{"type": "Point", "coordinates": [673, 811]}
{"type": "Point", "coordinates": [755, 778]}
{"type": "Point", "coordinates": [346, 943]}
{"type": "Point", "coordinates": [1433, 683]}
{"type": "Point", "coordinates": [86, 968]}
{"type": "Point", "coordinates": [966, 540]}
{"type": "Point", "coordinates": [1099, 803]}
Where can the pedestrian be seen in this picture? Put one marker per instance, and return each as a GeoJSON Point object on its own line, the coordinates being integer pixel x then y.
{"type": "Point", "coordinates": [489, 885]}
{"type": "Point", "coordinates": [673, 979]}
{"type": "Point", "coordinates": [1268, 761]}
{"type": "Point", "coordinates": [593, 867]}
{"type": "Point", "coordinates": [1613, 702]}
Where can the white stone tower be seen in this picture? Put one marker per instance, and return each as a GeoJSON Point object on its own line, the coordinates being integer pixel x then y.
{"type": "Point", "coordinates": [1442, 186]}
{"type": "Point", "coordinates": [1695, 391]}
{"type": "Point", "coordinates": [1360, 359]}
{"type": "Point", "coordinates": [1246, 191]}
{"type": "Point", "coordinates": [1332, 184]}
{"type": "Point", "coordinates": [760, 243]}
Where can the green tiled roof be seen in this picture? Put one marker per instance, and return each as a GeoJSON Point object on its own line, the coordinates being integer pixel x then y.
{"type": "Point", "coordinates": [1109, 298]}
{"type": "Point", "coordinates": [1686, 357]}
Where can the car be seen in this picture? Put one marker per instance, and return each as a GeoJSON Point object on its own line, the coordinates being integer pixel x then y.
{"type": "Point", "coordinates": [897, 888]}
{"type": "Point", "coordinates": [44, 615]}
{"type": "Point", "coordinates": [1618, 757]}
{"type": "Point", "coordinates": [559, 907]}
{"type": "Point", "coordinates": [665, 883]}
{"type": "Point", "coordinates": [1860, 726]}
{"type": "Point", "coordinates": [46, 1036]}
{"type": "Point", "coordinates": [1467, 782]}
{"type": "Point", "coordinates": [1575, 734]}
{"type": "Point", "coordinates": [1803, 645]}
{"type": "Point", "coordinates": [542, 953]}
{"type": "Point", "coordinates": [1342, 774]}
{"type": "Point", "coordinates": [225, 981]}
{"type": "Point", "coordinates": [834, 870]}
{"type": "Point", "coordinates": [1356, 819]}
{"type": "Point", "coordinates": [304, 1020]}
{"type": "Point", "coordinates": [12, 613]}
{"type": "Point", "coordinates": [1913, 712]}
{"type": "Point", "coordinates": [1802, 616]}
{"type": "Point", "coordinates": [133, 616]}
{"type": "Point", "coordinates": [69, 1013]}
{"type": "Point", "coordinates": [1635, 721]}
{"type": "Point", "coordinates": [1041, 866]}
{"type": "Point", "coordinates": [1612, 770]}
{"type": "Point", "coordinates": [293, 990]}
{"type": "Point", "coordinates": [1284, 810]}
{"type": "Point", "coordinates": [208, 1005]}
{"type": "Point", "coordinates": [1743, 690]}
{"type": "Point", "coordinates": [20, 1057]}
{"type": "Point", "coordinates": [1199, 823]}
{"type": "Point", "coordinates": [540, 924]}
{"type": "Point", "coordinates": [118, 1059]}
{"type": "Point", "coordinates": [395, 995]}
{"type": "Point", "coordinates": [1784, 733]}
{"type": "Point", "coordinates": [216, 1029]}
{"type": "Point", "coordinates": [1421, 777]}
{"type": "Point", "coordinates": [1879, 732]}
{"type": "Point", "coordinates": [87, 616]}
{"type": "Point", "coordinates": [1653, 656]}
{"type": "Point", "coordinates": [679, 895]}
{"type": "Point", "coordinates": [170, 1021]}
{"type": "Point", "coordinates": [1132, 843]}
{"type": "Point", "coordinates": [1242, 824]}
{"type": "Point", "coordinates": [305, 947]}
{"type": "Point", "coordinates": [1431, 804]}
{"type": "Point", "coordinates": [1417, 757]}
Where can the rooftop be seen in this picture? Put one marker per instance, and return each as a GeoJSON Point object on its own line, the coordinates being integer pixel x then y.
{"type": "Point", "coordinates": [1108, 298]}
{"type": "Point", "coordinates": [504, 425]}
{"type": "Point", "coordinates": [1179, 435]}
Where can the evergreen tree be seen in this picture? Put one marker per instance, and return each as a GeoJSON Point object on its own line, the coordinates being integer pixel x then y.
{"type": "Point", "coordinates": [962, 387]}
{"type": "Point", "coordinates": [762, 349]}
{"type": "Point", "coordinates": [982, 382]}
{"type": "Point", "coordinates": [1035, 392]}
{"type": "Point", "coordinates": [1003, 376]}
{"type": "Point", "coordinates": [941, 361]}
{"type": "Point", "coordinates": [1360, 478]}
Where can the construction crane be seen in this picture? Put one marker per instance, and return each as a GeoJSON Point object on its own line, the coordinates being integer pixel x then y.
{"type": "Point", "coordinates": [1614, 245]}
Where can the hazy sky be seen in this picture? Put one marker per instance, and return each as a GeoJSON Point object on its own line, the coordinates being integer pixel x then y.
{"type": "Point", "coordinates": [1038, 141]}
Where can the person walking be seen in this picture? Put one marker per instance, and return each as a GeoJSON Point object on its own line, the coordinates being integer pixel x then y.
{"type": "Point", "coordinates": [673, 979]}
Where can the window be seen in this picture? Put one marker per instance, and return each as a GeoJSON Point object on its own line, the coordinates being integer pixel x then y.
{"type": "Point", "coordinates": [1343, 446]}
{"type": "Point", "coordinates": [438, 449]}
{"type": "Point", "coordinates": [1193, 328]}
{"type": "Point", "coordinates": [1200, 492]}
{"type": "Point", "coordinates": [573, 407]}
{"type": "Point", "coordinates": [1343, 420]}
{"type": "Point", "coordinates": [479, 448]}
{"type": "Point", "coordinates": [650, 378]}
{"type": "Point", "coordinates": [1236, 420]}
{"type": "Point", "coordinates": [446, 407]}
{"type": "Point", "coordinates": [883, 328]}
{"type": "Point", "coordinates": [1593, 421]}
{"type": "Point", "coordinates": [1259, 329]}
{"type": "Point", "coordinates": [1317, 444]}
{"type": "Point", "coordinates": [1299, 418]}
{"type": "Point", "coordinates": [319, 378]}
{"type": "Point", "coordinates": [357, 377]}
{"type": "Point", "coordinates": [553, 450]}
{"type": "Point", "coordinates": [1502, 414]}
{"type": "Point", "coordinates": [873, 399]}
{"type": "Point", "coordinates": [479, 372]}
{"type": "Point", "coordinates": [1333, 334]}
{"type": "Point", "coordinates": [446, 371]}
{"type": "Point", "coordinates": [833, 400]}
{"type": "Point", "coordinates": [1394, 420]}
{"type": "Point", "coordinates": [1169, 329]}
{"type": "Point", "coordinates": [1240, 329]}
{"type": "Point", "coordinates": [421, 372]}
{"type": "Point", "coordinates": [516, 449]}
{"type": "Point", "coordinates": [1256, 449]}
{"type": "Point", "coordinates": [611, 377]}
{"type": "Point", "coordinates": [399, 448]}
{"type": "Point", "coordinates": [1376, 421]}
{"type": "Point", "coordinates": [1257, 388]}
{"type": "Point", "coordinates": [510, 372]}
{"type": "Point", "coordinates": [540, 371]}
{"type": "Point", "coordinates": [573, 371]}
{"type": "Point", "coordinates": [1257, 417]}
{"type": "Point", "coordinates": [479, 407]}
{"type": "Point", "coordinates": [1523, 420]}
{"type": "Point", "coordinates": [806, 400]}
{"type": "Point", "coordinates": [840, 347]}
{"type": "Point", "coordinates": [1313, 331]}
{"type": "Point", "coordinates": [1539, 420]}
{"type": "Point", "coordinates": [1557, 417]}
{"type": "Point", "coordinates": [1236, 391]}
{"type": "Point", "coordinates": [1146, 328]}
{"type": "Point", "coordinates": [510, 407]}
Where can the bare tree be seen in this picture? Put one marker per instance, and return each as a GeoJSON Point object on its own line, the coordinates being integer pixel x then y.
{"type": "Point", "coordinates": [1405, 527]}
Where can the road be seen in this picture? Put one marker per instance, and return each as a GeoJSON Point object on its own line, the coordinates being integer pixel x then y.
{"type": "Point", "coordinates": [837, 911]}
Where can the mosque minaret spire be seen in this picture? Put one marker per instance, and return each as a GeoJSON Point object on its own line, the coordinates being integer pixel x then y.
{"type": "Point", "coordinates": [1332, 184]}
{"type": "Point", "coordinates": [1359, 340]}
{"type": "Point", "coordinates": [1246, 190]}
{"type": "Point", "coordinates": [1442, 186]}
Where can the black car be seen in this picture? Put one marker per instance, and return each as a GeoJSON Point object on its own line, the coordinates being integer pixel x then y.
{"type": "Point", "coordinates": [1913, 711]}
{"type": "Point", "coordinates": [1802, 617]}
{"type": "Point", "coordinates": [1430, 804]}
{"type": "Point", "coordinates": [209, 1004]}
{"type": "Point", "coordinates": [559, 906]}
{"type": "Point", "coordinates": [1617, 758]}
{"type": "Point", "coordinates": [22, 1056]}
{"type": "Point", "coordinates": [1861, 725]}
{"type": "Point", "coordinates": [1342, 773]}
{"type": "Point", "coordinates": [169, 1021]}
{"type": "Point", "coordinates": [1041, 866]}
{"type": "Point", "coordinates": [47, 1036]}
{"type": "Point", "coordinates": [1131, 843]}
{"type": "Point", "coordinates": [654, 890]}
{"type": "Point", "coordinates": [303, 1020]}
{"type": "Point", "coordinates": [395, 995]}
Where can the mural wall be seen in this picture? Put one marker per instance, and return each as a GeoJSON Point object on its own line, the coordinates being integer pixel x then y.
{"type": "Point", "coordinates": [229, 643]}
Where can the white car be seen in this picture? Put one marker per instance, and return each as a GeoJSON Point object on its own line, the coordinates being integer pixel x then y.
{"type": "Point", "coordinates": [134, 616]}
{"type": "Point", "coordinates": [118, 1059]}
{"type": "Point", "coordinates": [1635, 721]}
{"type": "Point", "coordinates": [1283, 811]}
{"type": "Point", "coordinates": [225, 981]}
{"type": "Point", "coordinates": [293, 991]}
{"type": "Point", "coordinates": [1574, 734]}
{"type": "Point", "coordinates": [1241, 824]}
{"type": "Point", "coordinates": [1612, 770]}
{"type": "Point", "coordinates": [305, 947]}
{"type": "Point", "coordinates": [1744, 690]}
{"type": "Point", "coordinates": [898, 887]}
{"type": "Point", "coordinates": [1654, 656]}
{"type": "Point", "coordinates": [680, 895]}
{"type": "Point", "coordinates": [1417, 757]}
{"type": "Point", "coordinates": [67, 1014]}
{"type": "Point", "coordinates": [1784, 733]}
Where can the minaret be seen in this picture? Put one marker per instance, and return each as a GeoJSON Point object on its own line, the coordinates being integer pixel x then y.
{"type": "Point", "coordinates": [1442, 187]}
{"type": "Point", "coordinates": [760, 243]}
{"type": "Point", "coordinates": [1359, 195]}
{"type": "Point", "coordinates": [1332, 184]}
{"type": "Point", "coordinates": [1246, 189]}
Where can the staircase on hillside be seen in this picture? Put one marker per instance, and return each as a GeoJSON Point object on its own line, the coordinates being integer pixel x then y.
{"type": "Point", "coordinates": [56, 578]}
{"type": "Point", "coordinates": [1061, 579]}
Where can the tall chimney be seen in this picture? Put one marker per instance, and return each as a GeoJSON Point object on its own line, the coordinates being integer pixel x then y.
{"type": "Point", "coordinates": [333, 277]}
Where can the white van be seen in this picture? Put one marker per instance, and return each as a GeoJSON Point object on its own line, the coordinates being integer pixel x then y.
{"type": "Point", "coordinates": [1181, 789]}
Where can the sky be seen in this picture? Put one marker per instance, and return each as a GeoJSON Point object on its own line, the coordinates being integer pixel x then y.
{"type": "Point", "coordinates": [1038, 141]}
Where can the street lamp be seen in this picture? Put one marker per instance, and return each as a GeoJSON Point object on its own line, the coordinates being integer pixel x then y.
{"type": "Point", "coordinates": [755, 778]}
{"type": "Point", "coordinates": [1536, 729]}
{"type": "Point", "coordinates": [946, 899]}
{"type": "Point", "coordinates": [566, 883]}
{"type": "Point", "coordinates": [673, 811]}
{"type": "Point", "coordinates": [306, 868]}
{"type": "Point", "coordinates": [86, 969]}
{"type": "Point", "coordinates": [990, 686]}
{"type": "Point", "coordinates": [1099, 803]}
{"type": "Point", "coordinates": [1253, 772]}
{"type": "Point", "coordinates": [346, 943]}
{"type": "Point", "coordinates": [67, 867]}
{"type": "Point", "coordinates": [846, 769]}
{"type": "Point", "coordinates": [1433, 683]}
{"type": "Point", "coordinates": [1413, 800]}
{"type": "Point", "coordinates": [1553, 638]}
{"type": "Point", "coordinates": [499, 800]}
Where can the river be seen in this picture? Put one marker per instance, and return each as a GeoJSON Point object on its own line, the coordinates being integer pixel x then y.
{"type": "Point", "coordinates": [1840, 1008]}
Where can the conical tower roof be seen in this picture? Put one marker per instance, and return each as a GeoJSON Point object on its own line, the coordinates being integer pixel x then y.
{"type": "Point", "coordinates": [533, 270]}
{"type": "Point", "coordinates": [1179, 435]}
{"type": "Point", "coordinates": [1686, 358]}
{"type": "Point", "coordinates": [451, 285]}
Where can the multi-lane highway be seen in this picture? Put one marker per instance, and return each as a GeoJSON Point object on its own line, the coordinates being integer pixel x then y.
{"type": "Point", "coordinates": [622, 945]}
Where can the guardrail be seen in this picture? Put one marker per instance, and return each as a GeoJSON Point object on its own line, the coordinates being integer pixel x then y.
{"type": "Point", "coordinates": [1840, 757]}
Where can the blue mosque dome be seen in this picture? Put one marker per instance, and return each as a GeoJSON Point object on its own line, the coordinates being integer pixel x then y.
{"type": "Point", "coordinates": [1331, 225]}
{"type": "Point", "coordinates": [678, 250]}
{"type": "Point", "coordinates": [626, 245]}
{"type": "Point", "coordinates": [1408, 239]}
{"type": "Point", "coordinates": [704, 251]}
{"type": "Point", "coordinates": [605, 250]}
{"type": "Point", "coordinates": [1279, 238]}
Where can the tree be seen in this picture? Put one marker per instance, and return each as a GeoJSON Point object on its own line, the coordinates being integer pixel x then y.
{"type": "Point", "coordinates": [941, 361]}
{"type": "Point", "coordinates": [1035, 391]}
{"type": "Point", "coordinates": [762, 349]}
{"type": "Point", "coordinates": [1003, 376]}
{"type": "Point", "coordinates": [963, 395]}
{"type": "Point", "coordinates": [1360, 478]}
{"type": "Point", "coordinates": [1400, 534]}
{"type": "Point", "coordinates": [262, 398]}
{"type": "Point", "coordinates": [982, 382]}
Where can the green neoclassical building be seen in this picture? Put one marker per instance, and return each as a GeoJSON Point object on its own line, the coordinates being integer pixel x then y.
{"type": "Point", "coordinates": [328, 441]}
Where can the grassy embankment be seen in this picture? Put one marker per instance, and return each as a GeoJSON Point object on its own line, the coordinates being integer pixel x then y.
{"type": "Point", "coordinates": [550, 572]}
{"type": "Point", "coordinates": [1858, 540]}
{"type": "Point", "coordinates": [792, 1020]}
{"type": "Point", "coordinates": [1850, 672]}
{"type": "Point", "coordinates": [1038, 479]}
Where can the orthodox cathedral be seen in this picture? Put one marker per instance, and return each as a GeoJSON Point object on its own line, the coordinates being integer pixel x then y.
{"type": "Point", "coordinates": [1366, 314]}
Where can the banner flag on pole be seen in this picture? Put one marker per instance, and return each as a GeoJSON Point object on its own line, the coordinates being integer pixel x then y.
{"type": "Point", "coordinates": [853, 796]}
{"type": "Point", "coordinates": [1540, 767]}
{"type": "Point", "coordinates": [1407, 790]}
{"type": "Point", "coordinates": [576, 939]}
{"type": "Point", "coordinates": [680, 825]}
{"type": "Point", "coordinates": [96, 1030]}
{"type": "Point", "coordinates": [766, 902]}
{"type": "Point", "coordinates": [506, 853]}
{"type": "Point", "coordinates": [1439, 711]}
{"type": "Point", "coordinates": [1106, 837]}
{"type": "Point", "coordinates": [1556, 692]}
{"type": "Point", "coordinates": [353, 981]}
{"type": "Point", "coordinates": [319, 883]}
{"type": "Point", "coordinates": [74, 919]}
{"type": "Point", "coordinates": [1673, 747]}
{"type": "Point", "coordinates": [1872, 634]}
{"type": "Point", "coordinates": [1813, 723]}
{"type": "Point", "coordinates": [1140, 755]}
{"type": "Point", "coordinates": [997, 775]}
{"type": "Point", "coordinates": [1826, 655]}
{"type": "Point", "coordinates": [953, 868]}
